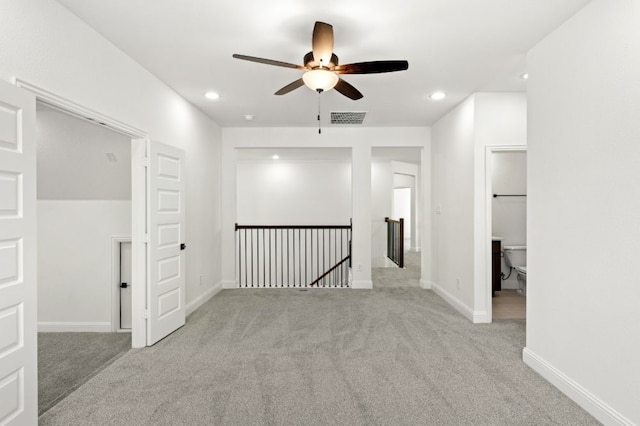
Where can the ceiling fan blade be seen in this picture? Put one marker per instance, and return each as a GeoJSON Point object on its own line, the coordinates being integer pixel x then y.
{"type": "Point", "coordinates": [372, 67]}
{"type": "Point", "coordinates": [268, 61]}
{"type": "Point", "coordinates": [348, 90]}
{"type": "Point", "coordinates": [322, 42]}
{"type": "Point", "coordinates": [291, 86]}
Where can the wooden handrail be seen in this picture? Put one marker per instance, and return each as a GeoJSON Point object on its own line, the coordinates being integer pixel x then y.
{"type": "Point", "coordinates": [292, 226]}
{"type": "Point", "coordinates": [336, 266]}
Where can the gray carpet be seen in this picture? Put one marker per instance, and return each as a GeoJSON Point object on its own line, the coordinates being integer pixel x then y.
{"type": "Point", "coordinates": [67, 360]}
{"type": "Point", "coordinates": [398, 356]}
{"type": "Point", "coordinates": [394, 277]}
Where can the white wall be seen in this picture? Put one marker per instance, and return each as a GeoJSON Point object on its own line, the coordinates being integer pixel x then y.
{"type": "Point", "coordinates": [453, 174]}
{"type": "Point", "coordinates": [381, 207]}
{"type": "Point", "coordinates": [509, 214]}
{"type": "Point", "coordinates": [44, 44]}
{"type": "Point", "coordinates": [293, 193]}
{"type": "Point", "coordinates": [74, 262]}
{"type": "Point", "coordinates": [360, 141]}
{"type": "Point", "coordinates": [583, 319]}
{"type": "Point", "coordinates": [404, 194]}
{"type": "Point", "coordinates": [461, 242]}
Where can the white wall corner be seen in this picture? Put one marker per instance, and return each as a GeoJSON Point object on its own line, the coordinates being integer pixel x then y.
{"type": "Point", "coordinates": [426, 284]}
{"type": "Point", "coordinates": [581, 396]}
{"type": "Point", "coordinates": [202, 299]}
{"type": "Point", "coordinates": [362, 285]}
{"type": "Point", "coordinates": [229, 284]}
{"type": "Point", "coordinates": [60, 327]}
{"type": "Point", "coordinates": [453, 301]}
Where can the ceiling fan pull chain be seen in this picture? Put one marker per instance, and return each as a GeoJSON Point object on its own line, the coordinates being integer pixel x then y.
{"type": "Point", "coordinates": [319, 122]}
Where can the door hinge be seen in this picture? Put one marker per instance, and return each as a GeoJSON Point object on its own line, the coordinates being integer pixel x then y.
{"type": "Point", "coordinates": [145, 161]}
{"type": "Point", "coordinates": [146, 238]}
{"type": "Point", "coordinates": [145, 314]}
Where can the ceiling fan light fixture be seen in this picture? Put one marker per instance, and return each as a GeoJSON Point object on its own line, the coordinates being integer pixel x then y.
{"type": "Point", "coordinates": [320, 79]}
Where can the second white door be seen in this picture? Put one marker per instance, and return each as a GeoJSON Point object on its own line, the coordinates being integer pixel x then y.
{"type": "Point", "coordinates": [166, 241]}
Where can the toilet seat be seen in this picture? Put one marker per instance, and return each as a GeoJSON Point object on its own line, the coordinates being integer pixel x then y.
{"type": "Point", "coordinates": [522, 269]}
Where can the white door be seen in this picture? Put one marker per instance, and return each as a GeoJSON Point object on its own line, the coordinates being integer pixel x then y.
{"type": "Point", "coordinates": [166, 255]}
{"type": "Point", "coordinates": [18, 286]}
{"type": "Point", "coordinates": [125, 286]}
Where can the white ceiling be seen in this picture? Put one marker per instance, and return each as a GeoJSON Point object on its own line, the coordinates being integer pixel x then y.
{"type": "Point", "coordinates": [458, 46]}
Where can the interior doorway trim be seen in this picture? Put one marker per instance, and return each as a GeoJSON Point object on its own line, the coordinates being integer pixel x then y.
{"type": "Point", "coordinates": [69, 107]}
{"type": "Point", "coordinates": [488, 196]}
{"type": "Point", "coordinates": [115, 281]}
{"type": "Point", "coordinates": [138, 195]}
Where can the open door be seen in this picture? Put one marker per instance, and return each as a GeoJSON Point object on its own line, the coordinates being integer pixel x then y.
{"type": "Point", "coordinates": [165, 254]}
{"type": "Point", "coordinates": [18, 286]}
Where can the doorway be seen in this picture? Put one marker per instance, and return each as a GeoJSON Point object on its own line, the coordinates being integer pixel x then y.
{"type": "Point", "coordinates": [506, 226]}
{"type": "Point", "coordinates": [83, 202]}
{"type": "Point", "coordinates": [402, 201]}
{"type": "Point", "coordinates": [395, 193]}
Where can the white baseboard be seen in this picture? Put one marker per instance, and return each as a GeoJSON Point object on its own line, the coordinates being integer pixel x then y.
{"type": "Point", "coordinates": [589, 402]}
{"type": "Point", "coordinates": [476, 317]}
{"type": "Point", "coordinates": [60, 327]}
{"type": "Point", "coordinates": [481, 317]}
{"type": "Point", "coordinates": [426, 284]}
{"type": "Point", "coordinates": [453, 301]}
{"type": "Point", "coordinates": [202, 299]}
{"type": "Point", "coordinates": [362, 285]}
{"type": "Point", "coordinates": [229, 284]}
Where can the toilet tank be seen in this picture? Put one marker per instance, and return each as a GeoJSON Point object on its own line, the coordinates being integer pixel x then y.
{"type": "Point", "coordinates": [515, 256]}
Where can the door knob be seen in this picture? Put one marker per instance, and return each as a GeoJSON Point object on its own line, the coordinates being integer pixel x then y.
{"type": "Point", "coordinates": [183, 246]}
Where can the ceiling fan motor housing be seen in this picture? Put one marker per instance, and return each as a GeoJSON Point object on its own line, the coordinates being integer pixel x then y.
{"type": "Point", "coordinates": [310, 63]}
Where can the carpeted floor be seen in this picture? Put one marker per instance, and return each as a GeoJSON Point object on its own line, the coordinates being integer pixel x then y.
{"type": "Point", "coordinates": [67, 360]}
{"type": "Point", "coordinates": [398, 356]}
{"type": "Point", "coordinates": [394, 277]}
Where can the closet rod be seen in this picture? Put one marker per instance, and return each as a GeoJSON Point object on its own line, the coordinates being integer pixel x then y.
{"type": "Point", "coordinates": [509, 195]}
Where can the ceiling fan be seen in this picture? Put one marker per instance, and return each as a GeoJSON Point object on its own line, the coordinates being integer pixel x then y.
{"type": "Point", "coordinates": [322, 69]}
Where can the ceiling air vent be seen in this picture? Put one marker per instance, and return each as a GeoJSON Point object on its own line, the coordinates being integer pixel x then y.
{"type": "Point", "coordinates": [347, 117]}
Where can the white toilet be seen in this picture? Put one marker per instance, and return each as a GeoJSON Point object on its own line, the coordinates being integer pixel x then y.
{"type": "Point", "coordinates": [515, 257]}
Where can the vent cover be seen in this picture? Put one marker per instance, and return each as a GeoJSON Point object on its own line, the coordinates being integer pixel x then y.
{"type": "Point", "coordinates": [347, 117]}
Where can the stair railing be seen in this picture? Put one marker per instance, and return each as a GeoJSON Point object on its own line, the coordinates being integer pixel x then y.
{"type": "Point", "coordinates": [395, 241]}
{"type": "Point", "coordinates": [277, 256]}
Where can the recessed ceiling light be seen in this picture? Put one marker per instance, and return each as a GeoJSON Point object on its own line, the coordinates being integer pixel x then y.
{"type": "Point", "coordinates": [525, 76]}
{"type": "Point", "coordinates": [212, 96]}
{"type": "Point", "coordinates": [275, 157]}
{"type": "Point", "coordinates": [437, 96]}
{"type": "Point", "coordinates": [248, 117]}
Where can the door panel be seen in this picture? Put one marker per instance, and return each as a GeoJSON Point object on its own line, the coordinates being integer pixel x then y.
{"type": "Point", "coordinates": [166, 289]}
{"type": "Point", "coordinates": [18, 351]}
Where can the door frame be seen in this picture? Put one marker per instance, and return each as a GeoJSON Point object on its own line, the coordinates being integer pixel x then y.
{"type": "Point", "coordinates": [138, 195]}
{"type": "Point", "coordinates": [115, 281]}
{"type": "Point", "coordinates": [486, 247]}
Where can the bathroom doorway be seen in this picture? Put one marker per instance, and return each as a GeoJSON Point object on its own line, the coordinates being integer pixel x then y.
{"type": "Point", "coordinates": [507, 229]}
